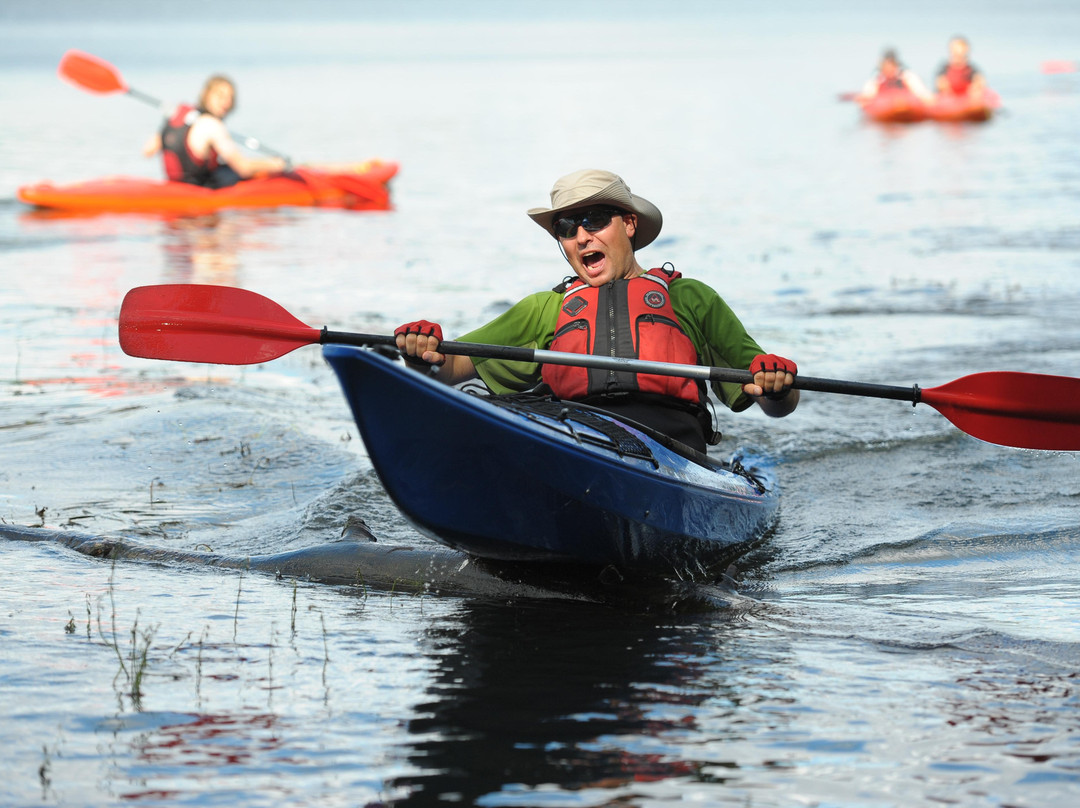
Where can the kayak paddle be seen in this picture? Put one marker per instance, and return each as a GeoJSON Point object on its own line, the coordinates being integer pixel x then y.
{"type": "Point", "coordinates": [98, 76]}
{"type": "Point", "coordinates": [226, 325]}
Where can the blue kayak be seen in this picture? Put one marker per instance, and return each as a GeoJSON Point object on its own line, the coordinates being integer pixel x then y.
{"type": "Point", "coordinates": [530, 479]}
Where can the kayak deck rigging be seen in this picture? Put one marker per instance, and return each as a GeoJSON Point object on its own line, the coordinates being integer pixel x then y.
{"type": "Point", "coordinates": [553, 413]}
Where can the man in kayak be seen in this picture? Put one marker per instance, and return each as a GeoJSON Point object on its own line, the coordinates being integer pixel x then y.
{"type": "Point", "coordinates": [612, 306]}
{"type": "Point", "coordinates": [198, 149]}
{"type": "Point", "coordinates": [891, 76]}
{"type": "Point", "coordinates": [958, 77]}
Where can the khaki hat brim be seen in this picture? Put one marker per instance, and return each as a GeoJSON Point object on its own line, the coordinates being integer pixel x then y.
{"type": "Point", "coordinates": [649, 218]}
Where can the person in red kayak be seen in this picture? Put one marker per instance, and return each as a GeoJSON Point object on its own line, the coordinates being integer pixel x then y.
{"type": "Point", "coordinates": [198, 149]}
{"type": "Point", "coordinates": [613, 306]}
{"type": "Point", "coordinates": [958, 77]}
{"type": "Point", "coordinates": [891, 76]}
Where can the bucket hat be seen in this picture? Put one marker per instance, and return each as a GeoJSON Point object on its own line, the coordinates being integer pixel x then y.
{"type": "Point", "coordinates": [593, 186]}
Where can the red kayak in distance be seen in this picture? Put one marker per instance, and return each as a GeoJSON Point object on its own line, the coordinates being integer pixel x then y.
{"type": "Point", "coordinates": [361, 186]}
{"type": "Point", "coordinates": [903, 106]}
{"type": "Point", "coordinates": [965, 108]}
{"type": "Point", "coordinates": [898, 105]}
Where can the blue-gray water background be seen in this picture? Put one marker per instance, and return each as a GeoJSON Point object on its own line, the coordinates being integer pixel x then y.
{"type": "Point", "coordinates": [909, 634]}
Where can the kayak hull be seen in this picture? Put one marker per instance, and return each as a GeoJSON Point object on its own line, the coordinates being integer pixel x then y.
{"type": "Point", "coordinates": [895, 106]}
{"type": "Point", "coordinates": [903, 106]}
{"type": "Point", "coordinates": [522, 482]}
{"type": "Point", "coordinates": [363, 187]}
{"type": "Point", "coordinates": [962, 108]}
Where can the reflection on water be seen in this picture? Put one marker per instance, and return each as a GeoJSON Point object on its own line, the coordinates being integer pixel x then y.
{"type": "Point", "coordinates": [201, 249]}
{"type": "Point", "coordinates": [209, 741]}
{"type": "Point", "coordinates": [215, 248]}
{"type": "Point", "coordinates": [211, 248]}
{"type": "Point", "coordinates": [520, 696]}
{"type": "Point", "coordinates": [884, 662]}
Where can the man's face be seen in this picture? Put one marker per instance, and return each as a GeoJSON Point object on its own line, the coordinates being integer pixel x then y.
{"type": "Point", "coordinates": [603, 255]}
{"type": "Point", "coordinates": [958, 51]}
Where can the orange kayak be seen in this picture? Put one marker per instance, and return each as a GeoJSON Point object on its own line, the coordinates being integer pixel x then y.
{"type": "Point", "coordinates": [962, 108]}
{"type": "Point", "coordinates": [895, 106]}
{"type": "Point", "coordinates": [903, 106]}
{"type": "Point", "coordinates": [360, 187]}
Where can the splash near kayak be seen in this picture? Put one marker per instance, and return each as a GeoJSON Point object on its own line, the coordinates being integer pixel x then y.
{"type": "Point", "coordinates": [364, 186]}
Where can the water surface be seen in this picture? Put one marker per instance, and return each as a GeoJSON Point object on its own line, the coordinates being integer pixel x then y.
{"type": "Point", "coordinates": [907, 634]}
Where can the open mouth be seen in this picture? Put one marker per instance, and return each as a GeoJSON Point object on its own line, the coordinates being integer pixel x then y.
{"type": "Point", "coordinates": [592, 259]}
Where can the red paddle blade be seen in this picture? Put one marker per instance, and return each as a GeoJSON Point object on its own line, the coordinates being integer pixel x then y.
{"type": "Point", "coordinates": [1026, 410]}
{"type": "Point", "coordinates": [91, 73]}
{"type": "Point", "coordinates": [217, 324]}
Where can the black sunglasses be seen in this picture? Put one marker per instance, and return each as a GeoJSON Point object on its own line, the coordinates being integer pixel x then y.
{"type": "Point", "coordinates": [593, 220]}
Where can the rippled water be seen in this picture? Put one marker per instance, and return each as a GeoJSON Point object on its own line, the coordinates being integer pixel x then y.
{"type": "Point", "coordinates": [907, 634]}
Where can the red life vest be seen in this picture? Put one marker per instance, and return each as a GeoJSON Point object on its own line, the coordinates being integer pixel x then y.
{"type": "Point", "coordinates": [959, 77]}
{"type": "Point", "coordinates": [894, 83]}
{"type": "Point", "coordinates": [631, 318]}
{"type": "Point", "coordinates": [180, 164]}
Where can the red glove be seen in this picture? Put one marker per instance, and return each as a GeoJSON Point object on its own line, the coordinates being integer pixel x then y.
{"type": "Point", "coordinates": [421, 328]}
{"type": "Point", "coordinates": [767, 362]}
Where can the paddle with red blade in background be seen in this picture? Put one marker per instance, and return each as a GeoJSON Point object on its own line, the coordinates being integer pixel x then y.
{"type": "Point", "coordinates": [226, 325]}
{"type": "Point", "coordinates": [98, 76]}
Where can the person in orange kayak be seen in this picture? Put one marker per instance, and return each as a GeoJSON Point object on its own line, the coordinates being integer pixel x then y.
{"type": "Point", "coordinates": [198, 149]}
{"type": "Point", "coordinates": [892, 75]}
{"type": "Point", "coordinates": [614, 307]}
{"type": "Point", "coordinates": [958, 76]}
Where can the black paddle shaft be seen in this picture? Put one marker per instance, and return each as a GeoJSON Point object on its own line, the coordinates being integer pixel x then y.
{"type": "Point", "coordinates": [714, 374]}
{"type": "Point", "coordinates": [147, 99]}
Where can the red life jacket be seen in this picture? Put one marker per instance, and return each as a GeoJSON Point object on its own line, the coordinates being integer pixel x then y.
{"type": "Point", "coordinates": [180, 164]}
{"type": "Point", "coordinates": [959, 77]}
{"type": "Point", "coordinates": [894, 83]}
{"type": "Point", "coordinates": [631, 318]}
